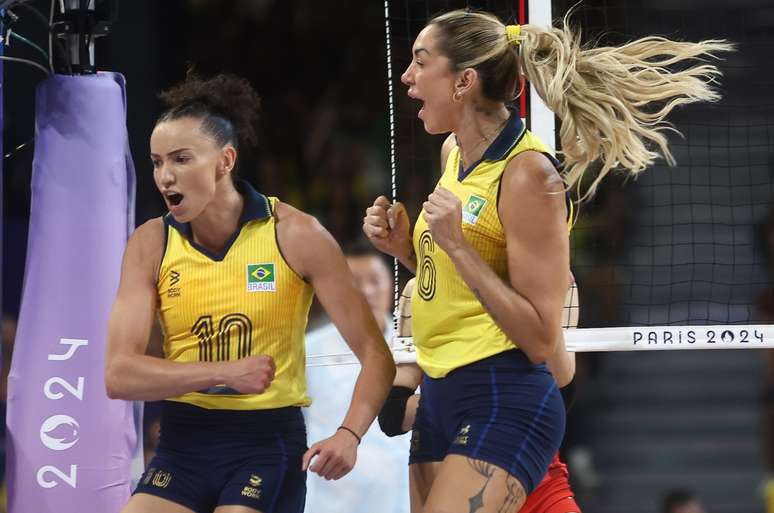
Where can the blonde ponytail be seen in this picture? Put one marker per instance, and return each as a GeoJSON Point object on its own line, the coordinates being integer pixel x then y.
{"type": "Point", "coordinates": [613, 101]}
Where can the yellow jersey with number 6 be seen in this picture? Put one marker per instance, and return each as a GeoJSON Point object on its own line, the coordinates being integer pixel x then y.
{"type": "Point", "coordinates": [450, 326]}
{"type": "Point", "coordinates": [242, 302]}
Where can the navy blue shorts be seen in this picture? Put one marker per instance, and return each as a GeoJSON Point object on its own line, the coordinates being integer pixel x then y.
{"type": "Point", "coordinates": [209, 458]}
{"type": "Point", "coordinates": [503, 409]}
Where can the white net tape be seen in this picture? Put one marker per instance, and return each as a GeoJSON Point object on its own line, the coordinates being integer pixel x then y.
{"type": "Point", "coordinates": [646, 338]}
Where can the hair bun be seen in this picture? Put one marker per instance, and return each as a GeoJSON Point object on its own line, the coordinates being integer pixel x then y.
{"type": "Point", "coordinates": [224, 95]}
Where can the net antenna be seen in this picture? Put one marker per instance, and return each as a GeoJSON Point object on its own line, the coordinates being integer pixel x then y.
{"type": "Point", "coordinates": [541, 121]}
{"type": "Point", "coordinates": [393, 157]}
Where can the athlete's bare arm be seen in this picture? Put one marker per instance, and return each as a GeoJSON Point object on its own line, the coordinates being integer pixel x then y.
{"type": "Point", "coordinates": [562, 362]}
{"type": "Point", "coordinates": [387, 225]}
{"type": "Point", "coordinates": [313, 253]}
{"type": "Point", "coordinates": [130, 374]}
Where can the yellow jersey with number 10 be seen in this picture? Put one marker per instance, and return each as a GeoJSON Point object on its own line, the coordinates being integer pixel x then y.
{"type": "Point", "coordinates": [450, 326]}
{"type": "Point", "coordinates": [242, 302]}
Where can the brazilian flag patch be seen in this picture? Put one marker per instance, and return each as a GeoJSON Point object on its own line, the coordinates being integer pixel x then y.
{"type": "Point", "coordinates": [472, 209]}
{"type": "Point", "coordinates": [261, 278]}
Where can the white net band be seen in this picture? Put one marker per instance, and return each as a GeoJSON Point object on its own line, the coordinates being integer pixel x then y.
{"type": "Point", "coordinates": [647, 338]}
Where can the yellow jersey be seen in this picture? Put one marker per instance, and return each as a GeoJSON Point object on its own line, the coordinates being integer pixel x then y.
{"type": "Point", "coordinates": [450, 326]}
{"type": "Point", "coordinates": [244, 301]}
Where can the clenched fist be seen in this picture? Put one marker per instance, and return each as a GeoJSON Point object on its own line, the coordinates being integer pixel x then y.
{"type": "Point", "coordinates": [251, 375]}
{"type": "Point", "coordinates": [387, 227]}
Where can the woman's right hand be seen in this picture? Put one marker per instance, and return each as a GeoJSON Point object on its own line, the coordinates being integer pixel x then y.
{"type": "Point", "coordinates": [387, 227]}
{"type": "Point", "coordinates": [251, 375]}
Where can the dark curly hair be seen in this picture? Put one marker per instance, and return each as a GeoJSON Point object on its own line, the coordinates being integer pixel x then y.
{"type": "Point", "coordinates": [227, 105]}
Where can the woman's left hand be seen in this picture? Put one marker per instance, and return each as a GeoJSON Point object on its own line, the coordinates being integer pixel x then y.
{"type": "Point", "coordinates": [443, 214]}
{"type": "Point", "coordinates": [336, 456]}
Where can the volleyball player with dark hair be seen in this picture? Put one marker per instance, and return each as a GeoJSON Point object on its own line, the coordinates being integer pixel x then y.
{"type": "Point", "coordinates": [230, 273]}
{"type": "Point", "coordinates": [490, 247]}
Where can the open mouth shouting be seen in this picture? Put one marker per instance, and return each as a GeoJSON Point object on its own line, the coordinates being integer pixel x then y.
{"type": "Point", "coordinates": [414, 96]}
{"type": "Point", "coordinates": [173, 199]}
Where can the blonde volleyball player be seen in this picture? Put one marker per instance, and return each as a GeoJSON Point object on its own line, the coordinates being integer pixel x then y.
{"type": "Point", "coordinates": [490, 247]}
{"type": "Point", "coordinates": [553, 494]}
{"type": "Point", "coordinates": [230, 273]}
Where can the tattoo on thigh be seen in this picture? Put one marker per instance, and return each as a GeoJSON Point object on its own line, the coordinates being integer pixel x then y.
{"type": "Point", "coordinates": [487, 470]}
{"type": "Point", "coordinates": [514, 497]}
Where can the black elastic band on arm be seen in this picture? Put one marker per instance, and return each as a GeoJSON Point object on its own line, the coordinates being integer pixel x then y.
{"type": "Point", "coordinates": [394, 410]}
{"type": "Point", "coordinates": [568, 392]}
